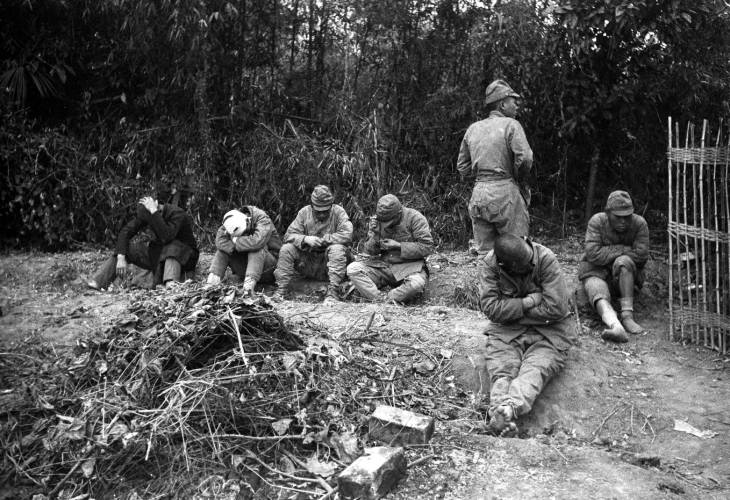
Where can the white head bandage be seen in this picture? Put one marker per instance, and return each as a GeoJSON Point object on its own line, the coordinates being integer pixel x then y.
{"type": "Point", "coordinates": [236, 222]}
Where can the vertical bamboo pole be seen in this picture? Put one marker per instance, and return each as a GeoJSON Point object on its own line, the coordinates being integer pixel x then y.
{"type": "Point", "coordinates": [726, 175]}
{"type": "Point", "coordinates": [669, 232]}
{"type": "Point", "coordinates": [679, 241]}
{"type": "Point", "coordinates": [686, 236]}
{"type": "Point", "coordinates": [705, 330]}
{"type": "Point", "coordinates": [695, 281]}
{"type": "Point", "coordinates": [716, 335]}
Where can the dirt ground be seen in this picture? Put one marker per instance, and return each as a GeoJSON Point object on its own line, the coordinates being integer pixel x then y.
{"type": "Point", "coordinates": [603, 428]}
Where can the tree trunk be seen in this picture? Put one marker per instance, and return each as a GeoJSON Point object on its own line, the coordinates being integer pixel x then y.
{"type": "Point", "coordinates": [591, 184]}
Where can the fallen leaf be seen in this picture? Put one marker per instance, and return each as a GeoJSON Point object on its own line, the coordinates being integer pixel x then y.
{"type": "Point", "coordinates": [324, 469]}
{"type": "Point", "coordinates": [101, 366]}
{"type": "Point", "coordinates": [682, 426]}
{"type": "Point", "coordinates": [282, 426]}
{"type": "Point", "coordinates": [346, 446]}
{"type": "Point", "coordinates": [286, 465]}
{"type": "Point", "coordinates": [88, 467]}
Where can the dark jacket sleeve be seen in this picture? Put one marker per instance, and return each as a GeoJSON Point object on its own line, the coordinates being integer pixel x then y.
{"type": "Point", "coordinates": [639, 252]}
{"type": "Point", "coordinates": [596, 252]}
{"type": "Point", "coordinates": [128, 231]}
{"type": "Point", "coordinates": [223, 241]}
{"type": "Point", "coordinates": [423, 244]}
{"type": "Point", "coordinates": [343, 229]}
{"type": "Point", "coordinates": [554, 305]}
{"type": "Point", "coordinates": [497, 308]}
{"type": "Point", "coordinates": [263, 227]}
{"type": "Point", "coordinates": [166, 230]}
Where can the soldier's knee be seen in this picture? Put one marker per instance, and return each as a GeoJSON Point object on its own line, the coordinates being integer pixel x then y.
{"type": "Point", "coordinates": [287, 248]}
{"type": "Point", "coordinates": [355, 268]}
{"type": "Point", "coordinates": [416, 282]}
{"type": "Point", "coordinates": [336, 250]}
{"type": "Point", "coordinates": [288, 252]}
{"type": "Point", "coordinates": [624, 262]}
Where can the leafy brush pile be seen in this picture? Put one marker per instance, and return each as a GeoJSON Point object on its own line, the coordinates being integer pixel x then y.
{"type": "Point", "coordinates": [195, 381]}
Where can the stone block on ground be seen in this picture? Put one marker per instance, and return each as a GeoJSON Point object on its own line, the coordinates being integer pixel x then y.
{"type": "Point", "coordinates": [394, 426]}
{"type": "Point", "coordinates": [373, 474]}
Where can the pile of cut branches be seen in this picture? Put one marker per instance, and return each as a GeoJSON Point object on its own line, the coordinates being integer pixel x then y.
{"type": "Point", "coordinates": [195, 381]}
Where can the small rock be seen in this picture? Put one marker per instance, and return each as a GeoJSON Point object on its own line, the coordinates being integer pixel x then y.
{"type": "Point", "coordinates": [641, 460]}
{"type": "Point", "coordinates": [373, 474]}
{"type": "Point", "coordinates": [424, 367]}
{"type": "Point", "coordinates": [392, 425]}
{"type": "Point", "coordinates": [670, 486]}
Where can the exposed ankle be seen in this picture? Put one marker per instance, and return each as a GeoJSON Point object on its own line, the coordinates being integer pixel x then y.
{"type": "Point", "coordinates": [631, 326]}
{"type": "Point", "coordinates": [615, 333]}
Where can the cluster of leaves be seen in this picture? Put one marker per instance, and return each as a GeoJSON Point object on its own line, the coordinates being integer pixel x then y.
{"type": "Point", "coordinates": [226, 98]}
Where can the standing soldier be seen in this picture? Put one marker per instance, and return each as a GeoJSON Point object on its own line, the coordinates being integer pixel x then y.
{"type": "Point", "coordinates": [523, 293]}
{"type": "Point", "coordinates": [248, 242]}
{"type": "Point", "coordinates": [617, 248]}
{"type": "Point", "coordinates": [317, 240]}
{"type": "Point", "coordinates": [398, 241]}
{"type": "Point", "coordinates": [495, 151]}
{"type": "Point", "coordinates": [171, 249]}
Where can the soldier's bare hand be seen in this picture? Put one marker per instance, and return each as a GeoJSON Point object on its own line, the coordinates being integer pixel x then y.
{"type": "Point", "coordinates": [313, 241]}
{"type": "Point", "coordinates": [150, 204]}
{"type": "Point", "coordinates": [372, 223]}
{"type": "Point", "coordinates": [388, 244]}
{"type": "Point", "coordinates": [121, 266]}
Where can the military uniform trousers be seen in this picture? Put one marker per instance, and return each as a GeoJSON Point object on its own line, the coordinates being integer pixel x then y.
{"type": "Point", "coordinates": [258, 265]}
{"type": "Point", "coordinates": [520, 369]}
{"type": "Point", "coordinates": [327, 265]}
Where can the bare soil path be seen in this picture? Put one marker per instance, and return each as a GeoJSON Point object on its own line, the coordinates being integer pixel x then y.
{"type": "Point", "coordinates": [604, 428]}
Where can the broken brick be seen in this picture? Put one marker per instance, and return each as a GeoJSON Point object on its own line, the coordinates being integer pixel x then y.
{"type": "Point", "coordinates": [394, 426]}
{"type": "Point", "coordinates": [373, 474]}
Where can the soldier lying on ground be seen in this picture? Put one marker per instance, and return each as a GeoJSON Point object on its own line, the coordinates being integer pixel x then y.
{"type": "Point", "coordinates": [524, 295]}
{"type": "Point", "coordinates": [616, 250]}
{"type": "Point", "coordinates": [248, 242]}
{"type": "Point", "coordinates": [398, 241]}
{"type": "Point", "coordinates": [316, 245]}
{"type": "Point", "coordinates": [169, 250]}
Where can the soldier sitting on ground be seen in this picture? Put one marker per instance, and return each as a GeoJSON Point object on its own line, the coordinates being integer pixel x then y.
{"type": "Point", "coordinates": [398, 241]}
{"type": "Point", "coordinates": [523, 293]}
{"type": "Point", "coordinates": [170, 249]}
{"type": "Point", "coordinates": [616, 250]}
{"type": "Point", "coordinates": [316, 245]}
{"type": "Point", "coordinates": [248, 242]}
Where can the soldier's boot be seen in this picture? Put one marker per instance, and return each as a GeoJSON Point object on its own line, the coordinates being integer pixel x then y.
{"type": "Point", "coordinates": [213, 279]}
{"type": "Point", "coordinates": [248, 285]}
{"type": "Point", "coordinates": [331, 297]}
{"type": "Point", "coordinates": [615, 331]}
{"type": "Point", "coordinates": [627, 316]}
{"type": "Point", "coordinates": [281, 293]}
{"type": "Point", "coordinates": [501, 421]}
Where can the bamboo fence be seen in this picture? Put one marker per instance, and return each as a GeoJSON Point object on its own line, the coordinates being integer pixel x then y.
{"type": "Point", "coordinates": [699, 235]}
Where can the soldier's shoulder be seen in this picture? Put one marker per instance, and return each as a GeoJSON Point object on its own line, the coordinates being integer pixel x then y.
{"type": "Point", "coordinates": [639, 220]}
{"type": "Point", "coordinates": [598, 219]}
{"type": "Point", "coordinates": [413, 213]}
{"type": "Point", "coordinates": [339, 210]}
{"type": "Point", "coordinates": [544, 252]}
{"type": "Point", "coordinates": [305, 210]}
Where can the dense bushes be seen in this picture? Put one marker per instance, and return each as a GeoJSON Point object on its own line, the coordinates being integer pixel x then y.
{"type": "Point", "coordinates": [237, 101]}
{"type": "Point", "coordinates": [63, 189]}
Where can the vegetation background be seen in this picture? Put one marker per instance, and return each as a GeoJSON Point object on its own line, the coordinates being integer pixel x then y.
{"type": "Point", "coordinates": [237, 102]}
